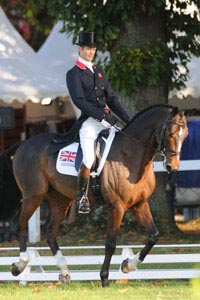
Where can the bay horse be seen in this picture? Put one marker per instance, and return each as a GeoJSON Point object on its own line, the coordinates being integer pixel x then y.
{"type": "Point", "coordinates": [127, 181]}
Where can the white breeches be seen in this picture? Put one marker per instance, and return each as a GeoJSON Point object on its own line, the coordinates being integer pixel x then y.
{"type": "Point", "coordinates": [88, 134]}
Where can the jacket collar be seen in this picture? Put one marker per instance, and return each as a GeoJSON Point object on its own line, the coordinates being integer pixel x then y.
{"type": "Point", "coordinates": [82, 65]}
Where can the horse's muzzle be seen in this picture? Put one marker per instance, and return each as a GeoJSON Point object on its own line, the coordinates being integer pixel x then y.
{"type": "Point", "coordinates": [170, 169]}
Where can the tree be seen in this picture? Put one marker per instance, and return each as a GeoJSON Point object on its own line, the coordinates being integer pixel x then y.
{"type": "Point", "coordinates": [146, 40]}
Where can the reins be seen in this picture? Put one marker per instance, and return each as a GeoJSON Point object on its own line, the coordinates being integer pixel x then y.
{"type": "Point", "coordinates": [136, 139]}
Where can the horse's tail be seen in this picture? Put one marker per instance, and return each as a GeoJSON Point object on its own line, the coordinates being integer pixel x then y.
{"type": "Point", "coordinates": [11, 150]}
{"type": "Point", "coordinates": [6, 155]}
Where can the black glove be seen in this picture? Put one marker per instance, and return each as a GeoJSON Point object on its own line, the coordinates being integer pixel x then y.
{"type": "Point", "coordinates": [110, 119]}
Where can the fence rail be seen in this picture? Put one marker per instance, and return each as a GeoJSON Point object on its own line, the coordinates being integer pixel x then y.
{"type": "Point", "coordinates": [87, 267]}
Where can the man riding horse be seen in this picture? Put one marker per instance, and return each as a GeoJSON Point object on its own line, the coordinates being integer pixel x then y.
{"type": "Point", "coordinates": [92, 94]}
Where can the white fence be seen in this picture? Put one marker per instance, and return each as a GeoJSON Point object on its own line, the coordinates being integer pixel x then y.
{"type": "Point", "coordinates": [87, 267]}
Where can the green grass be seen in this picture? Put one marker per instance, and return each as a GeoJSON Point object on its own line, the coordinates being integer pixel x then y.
{"type": "Point", "coordinates": [134, 290]}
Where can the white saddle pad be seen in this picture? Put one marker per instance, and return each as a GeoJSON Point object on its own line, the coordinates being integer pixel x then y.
{"type": "Point", "coordinates": [66, 158]}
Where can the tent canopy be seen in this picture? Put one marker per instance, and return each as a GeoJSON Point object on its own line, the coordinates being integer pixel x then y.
{"type": "Point", "coordinates": [23, 76]}
{"type": "Point", "coordinates": [58, 51]}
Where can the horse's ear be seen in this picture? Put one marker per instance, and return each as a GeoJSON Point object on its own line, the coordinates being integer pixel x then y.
{"type": "Point", "coordinates": [191, 112]}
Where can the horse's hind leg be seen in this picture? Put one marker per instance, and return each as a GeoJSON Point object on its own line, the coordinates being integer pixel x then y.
{"type": "Point", "coordinates": [59, 207]}
{"type": "Point", "coordinates": [144, 217]}
{"type": "Point", "coordinates": [29, 205]}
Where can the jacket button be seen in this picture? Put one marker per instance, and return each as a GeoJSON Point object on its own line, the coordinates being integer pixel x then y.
{"type": "Point", "coordinates": [102, 87]}
{"type": "Point", "coordinates": [97, 98]}
{"type": "Point", "coordinates": [95, 87]}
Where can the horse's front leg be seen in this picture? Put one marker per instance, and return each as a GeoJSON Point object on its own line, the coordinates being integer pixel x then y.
{"type": "Point", "coordinates": [115, 216]}
{"type": "Point", "coordinates": [29, 205]}
{"type": "Point", "coordinates": [144, 217]}
{"type": "Point", "coordinates": [59, 206]}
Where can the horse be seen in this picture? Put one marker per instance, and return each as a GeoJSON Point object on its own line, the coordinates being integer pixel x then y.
{"type": "Point", "coordinates": [127, 181]}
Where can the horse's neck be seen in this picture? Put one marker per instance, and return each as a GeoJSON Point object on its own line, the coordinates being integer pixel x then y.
{"type": "Point", "coordinates": [142, 135]}
{"type": "Point", "coordinates": [138, 145]}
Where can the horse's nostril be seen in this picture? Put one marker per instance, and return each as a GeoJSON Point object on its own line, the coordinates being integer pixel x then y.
{"type": "Point", "coordinates": [169, 169]}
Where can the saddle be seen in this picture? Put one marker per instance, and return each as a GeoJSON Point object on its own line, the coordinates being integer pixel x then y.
{"type": "Point", "coordinates": [70, 156]}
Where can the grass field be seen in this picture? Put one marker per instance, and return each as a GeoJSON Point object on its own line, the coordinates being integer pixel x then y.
{"type": "Point", "coordinates": [120, 290]}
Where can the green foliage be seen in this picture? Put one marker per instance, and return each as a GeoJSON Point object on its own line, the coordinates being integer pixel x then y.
{"type": "Point", "coordinates": [131, 68]}
{"type": "Point", "coordinates": [109, 20]}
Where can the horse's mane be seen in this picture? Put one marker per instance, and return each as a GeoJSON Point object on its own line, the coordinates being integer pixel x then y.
{"type": "Point", "coordinates": [150, 108]}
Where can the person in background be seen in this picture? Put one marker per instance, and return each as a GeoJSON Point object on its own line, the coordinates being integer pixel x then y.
{"type": "Point", "coordinates": [91, 92]}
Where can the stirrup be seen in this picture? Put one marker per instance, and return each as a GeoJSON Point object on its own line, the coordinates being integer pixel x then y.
{"type": "Point", "coordinates": [84, 205]}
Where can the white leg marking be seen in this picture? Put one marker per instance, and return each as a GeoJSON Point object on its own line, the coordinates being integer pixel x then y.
{"type": "Point", "coordinates": [23, 261]}
{"type": "Point", "coordinates": [132, 264]}
{"type": "Point", "coordinates": [61, 263]}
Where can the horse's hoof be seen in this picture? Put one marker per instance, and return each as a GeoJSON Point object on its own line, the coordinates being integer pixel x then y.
{"type": "Point", "coordinates": [64, 278]}
{"type": "Point", "coordinates": [124, 266]}
{"type": "Point", "coordinates": [15, 270]}
{"type": "Point", "coordinates": [105, 283]}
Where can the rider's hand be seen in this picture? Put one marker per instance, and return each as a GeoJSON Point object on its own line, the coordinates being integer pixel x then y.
{"type": "Point", "coordinates": [110, 119]}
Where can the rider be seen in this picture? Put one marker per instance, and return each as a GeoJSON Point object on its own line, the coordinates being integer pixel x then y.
{"type": "Point", "coordinates": [92, 94]}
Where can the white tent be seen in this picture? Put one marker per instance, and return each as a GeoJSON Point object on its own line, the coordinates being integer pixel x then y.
{"type": "Point", "coordinates": [23, 75]}
{"type": "Point", "coordinates": [58, 51]}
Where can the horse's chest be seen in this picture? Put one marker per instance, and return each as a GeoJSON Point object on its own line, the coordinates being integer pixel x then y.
{"type": "Point", "coordinates": [121, 184]}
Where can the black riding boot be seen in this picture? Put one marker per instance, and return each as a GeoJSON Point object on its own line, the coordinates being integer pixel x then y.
{"type": "Point", "coordinates": [82, 199]}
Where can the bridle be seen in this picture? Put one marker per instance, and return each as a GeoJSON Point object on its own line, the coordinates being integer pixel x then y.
{"type": "Point", "coordinates": [161, 147]}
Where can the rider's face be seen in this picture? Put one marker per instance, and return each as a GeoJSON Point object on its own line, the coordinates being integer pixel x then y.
{"type": "Point", "coordinates": [86, 53]}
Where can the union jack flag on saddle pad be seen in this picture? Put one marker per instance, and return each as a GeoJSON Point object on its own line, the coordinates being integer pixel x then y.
{"type": "Point", "coordinates": [66, 160]}
{"type": "Point", "coordinates": [67, 156]}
